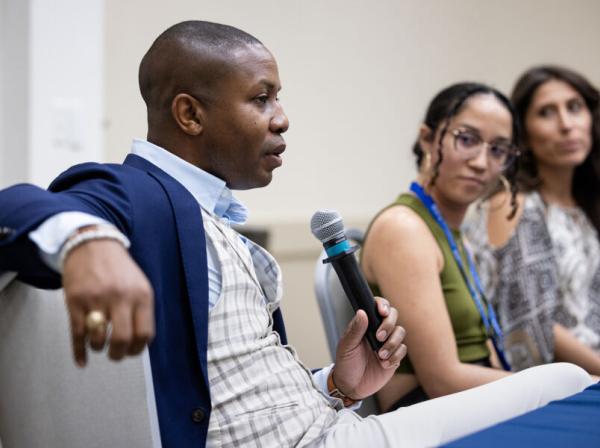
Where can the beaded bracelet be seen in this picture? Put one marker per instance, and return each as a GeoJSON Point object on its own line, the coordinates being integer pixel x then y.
{"type": "Point", "coordinates": [95, 233]}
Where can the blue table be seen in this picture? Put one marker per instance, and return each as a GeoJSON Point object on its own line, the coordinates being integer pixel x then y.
{"type": "Point", "coordinates": [572, 422]}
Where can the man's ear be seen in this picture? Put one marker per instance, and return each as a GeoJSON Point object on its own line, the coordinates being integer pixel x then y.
{"type": "Point", "coordinates": [188, 113]}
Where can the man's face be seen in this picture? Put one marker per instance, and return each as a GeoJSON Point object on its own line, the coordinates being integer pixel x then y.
{"type": "Point", "coordinates": [243, 126]}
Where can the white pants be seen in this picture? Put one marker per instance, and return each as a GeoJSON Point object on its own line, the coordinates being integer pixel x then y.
{"type": "Point", "coordinates": [443, 419]}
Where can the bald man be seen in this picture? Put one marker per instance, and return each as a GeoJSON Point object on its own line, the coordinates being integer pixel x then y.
{"type": "Point", "coordinates": [148, 246]}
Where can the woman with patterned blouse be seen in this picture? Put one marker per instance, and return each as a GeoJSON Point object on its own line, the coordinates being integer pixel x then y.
{"type": "Point", "coordinates": [541, 268]}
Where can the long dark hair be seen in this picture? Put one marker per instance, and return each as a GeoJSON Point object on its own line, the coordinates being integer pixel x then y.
{"type": "Point", "coordinates": [447, 104]}
{"type": "Point", "coordinates": [586, 181]}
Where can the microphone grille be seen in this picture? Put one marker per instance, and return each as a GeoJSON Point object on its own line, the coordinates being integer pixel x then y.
{"type": "Point", "coordinates": [326, 225]}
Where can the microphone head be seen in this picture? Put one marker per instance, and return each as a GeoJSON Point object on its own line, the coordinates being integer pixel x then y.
{"type": "Point", "coordinates": [326, 225]}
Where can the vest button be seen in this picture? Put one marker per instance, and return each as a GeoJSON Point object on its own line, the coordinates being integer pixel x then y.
{"type": "Point", "coordinates": [198, 415]}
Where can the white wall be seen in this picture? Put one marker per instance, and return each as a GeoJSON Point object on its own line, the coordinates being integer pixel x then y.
{"type": "Point", "coordinates": [356, 79]}
{"type": "Point", "coordinates": [52, 87]}
{"type": "Point", "coordinates": [357, 76]}
{"type": "Point", "coordinates": [66, 76]}
{"type": "Point", "coordinates": [14, 92]}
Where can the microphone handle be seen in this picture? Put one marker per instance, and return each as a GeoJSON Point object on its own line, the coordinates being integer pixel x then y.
{"type": "Point", "coordinates": [358, 292]}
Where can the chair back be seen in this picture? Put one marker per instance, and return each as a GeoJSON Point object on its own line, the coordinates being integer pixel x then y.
{"type": "Point", "coordinates": [46, 400]}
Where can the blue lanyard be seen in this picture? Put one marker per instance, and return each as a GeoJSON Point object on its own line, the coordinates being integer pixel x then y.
{"type": "Point", "coordinates": [489, 320]}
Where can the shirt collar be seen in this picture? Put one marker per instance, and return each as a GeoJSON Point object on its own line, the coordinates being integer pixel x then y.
{"type": "Point", "coordinates": [210, 191]}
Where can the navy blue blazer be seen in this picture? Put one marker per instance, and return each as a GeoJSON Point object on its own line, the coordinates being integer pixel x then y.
{"type": "Point", "coordinates": [164, 224]}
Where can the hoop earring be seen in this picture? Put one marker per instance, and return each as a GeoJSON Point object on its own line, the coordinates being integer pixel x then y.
{"type": "Point", "coordinates": [505, 189]}
{"type": "Point", "coordinates": [426, 168]}
{"type": "Point", "coordinates": [505, 183]}
{"type": "Point", "coordinates": [427, 161]}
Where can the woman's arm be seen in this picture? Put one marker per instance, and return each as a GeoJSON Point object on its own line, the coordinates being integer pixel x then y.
{"type": "Point", "coordinates": [569, 349]}
{"type": "Point", "coordinates": [403, 258]}
{"type": "Point", "coordinates": [499, 227]}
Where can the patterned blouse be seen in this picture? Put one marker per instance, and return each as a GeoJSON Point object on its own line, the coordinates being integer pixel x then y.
{"type": "Point", "coordinates": [548, 271]}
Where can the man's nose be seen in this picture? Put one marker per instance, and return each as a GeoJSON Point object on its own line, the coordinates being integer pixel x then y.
{"type": "Point", "coordinates": [279, 122]}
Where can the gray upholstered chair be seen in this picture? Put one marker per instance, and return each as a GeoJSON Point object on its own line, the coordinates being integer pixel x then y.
{"type": "Point", "coordinates": [335, 308]}
{"type": "Point", "coordinates": [46, 400]}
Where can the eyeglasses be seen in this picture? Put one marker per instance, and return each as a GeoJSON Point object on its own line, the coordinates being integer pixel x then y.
{"type": "Point", "coordinates": [469, 145]}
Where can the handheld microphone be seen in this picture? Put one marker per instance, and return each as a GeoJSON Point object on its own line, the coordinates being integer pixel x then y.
{"type": "Point", "coordinates": [327, 226]}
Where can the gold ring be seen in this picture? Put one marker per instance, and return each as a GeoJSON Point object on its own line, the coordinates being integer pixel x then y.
{"type": "Point", "coordinates": [95, 321]}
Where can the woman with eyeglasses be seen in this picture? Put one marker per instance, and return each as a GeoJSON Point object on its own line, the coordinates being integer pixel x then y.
{"type": "Point", "coordinates": [415, 256]}
{"type": "Point", "coordinates": [542, 268]}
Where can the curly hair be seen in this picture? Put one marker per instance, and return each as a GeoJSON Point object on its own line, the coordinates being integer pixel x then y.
{"type": "Point", "coordinates": [447, 104]}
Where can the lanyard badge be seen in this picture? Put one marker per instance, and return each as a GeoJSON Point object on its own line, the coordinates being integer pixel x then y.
{"type": "Point", "coordinates": [489, 319]}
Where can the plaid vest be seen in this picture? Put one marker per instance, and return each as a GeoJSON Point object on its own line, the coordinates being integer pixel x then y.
{"type": "Point", "coordinates": [261, 393]}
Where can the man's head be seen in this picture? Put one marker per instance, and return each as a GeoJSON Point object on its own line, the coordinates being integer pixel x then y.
{"type": "Point", "coordinates": [211, 94]}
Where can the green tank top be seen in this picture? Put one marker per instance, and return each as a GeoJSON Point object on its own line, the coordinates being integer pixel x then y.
{"type": "Point", "coordinates": [467, 324]}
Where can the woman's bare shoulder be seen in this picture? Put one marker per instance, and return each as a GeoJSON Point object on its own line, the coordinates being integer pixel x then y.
{"type": "Point", "coordinates": [398, 232]}
{"type": "Point", "coordinates": [398, 219]}
{"type": "Point", "coordinates": [400, 247]}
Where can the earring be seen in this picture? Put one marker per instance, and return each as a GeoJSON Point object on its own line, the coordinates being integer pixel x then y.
{"type": "Point", "coordinates": [505, 190]}
{"type": "Point", "coordinates": [505, 184]}
{"type": "Point", "coordinates": [427, 162]}
{"type": "Point", "coordinates": [425, 169]}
